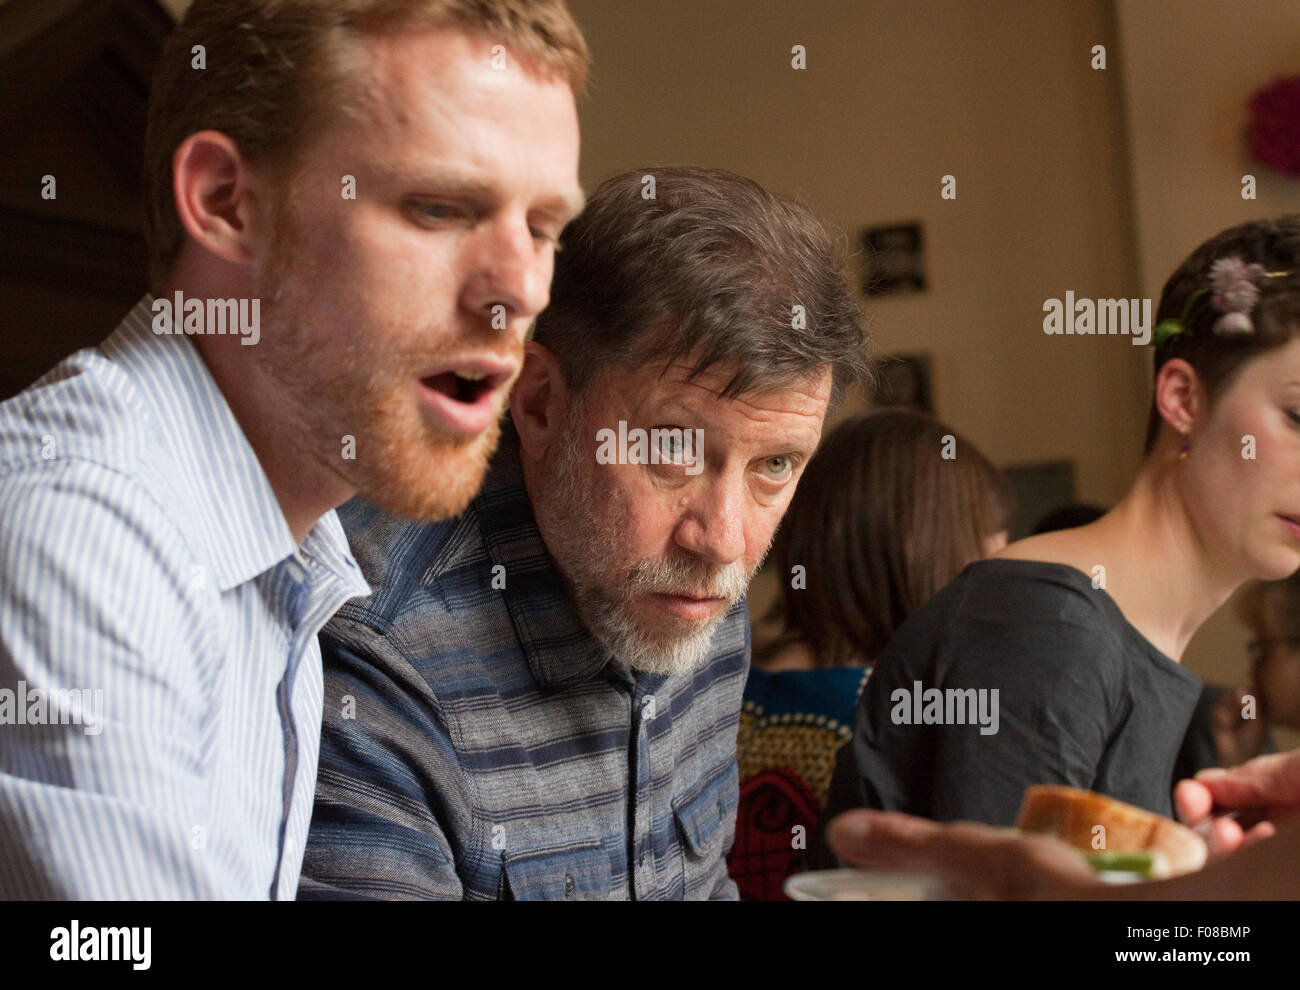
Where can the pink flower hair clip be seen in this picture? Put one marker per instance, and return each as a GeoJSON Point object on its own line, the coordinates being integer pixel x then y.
{"type": "Point", "coordinates": [1233, 293]}
{"type": "Point", "coordinates": [1235, 288]}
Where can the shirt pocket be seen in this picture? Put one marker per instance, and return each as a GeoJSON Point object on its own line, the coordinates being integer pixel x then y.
{"type": "Point", "coordinates": [705, 820]}
{"type": "Point", "coordinates": [580, 871]}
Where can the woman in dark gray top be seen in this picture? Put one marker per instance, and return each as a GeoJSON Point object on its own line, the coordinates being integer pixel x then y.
{"type": "Point", "coordinates": [1040, 679]}
{"type": "Point", "coordinates": [1056, 661]}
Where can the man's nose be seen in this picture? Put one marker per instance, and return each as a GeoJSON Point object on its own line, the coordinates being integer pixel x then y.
{"type": "Point", "coordinates": [713, 524]}
{"type": "Point", "coordinates": [510, 274]}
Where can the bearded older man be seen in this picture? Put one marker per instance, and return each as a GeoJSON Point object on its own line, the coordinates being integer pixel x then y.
{"type": "Point", "coordinates": [541, 698]}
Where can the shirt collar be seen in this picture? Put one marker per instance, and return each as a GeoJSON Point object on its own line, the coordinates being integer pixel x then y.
{"type": "Point", "coordinates": [232, 512]}
{"type": "Point", "coordinates": [559, 648]}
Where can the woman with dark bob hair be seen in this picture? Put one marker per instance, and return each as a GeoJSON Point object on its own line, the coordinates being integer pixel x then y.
{"type": "Point", "coordinates": [890, 509]}
{"type": "Point", "coordinates": [1056, 661]}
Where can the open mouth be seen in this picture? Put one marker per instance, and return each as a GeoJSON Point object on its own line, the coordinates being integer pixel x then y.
{"type": "Point", "coordinates": [463, 398]}
{"type": "Point", "coordinates": [461, 386]}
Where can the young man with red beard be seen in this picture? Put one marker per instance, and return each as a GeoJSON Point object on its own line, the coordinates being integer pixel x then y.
{"type": "Point", "coordinates": [541, 698]}
{"type": "Point", "coordinates": [387, 180]}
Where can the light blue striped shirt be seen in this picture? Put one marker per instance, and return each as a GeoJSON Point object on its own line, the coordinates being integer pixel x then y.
{"type": "Point", "coordinates": [160, 677]}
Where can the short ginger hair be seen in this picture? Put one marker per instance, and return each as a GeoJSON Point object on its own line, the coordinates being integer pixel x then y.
{"type": "Point", "coordinates": [276, 72]}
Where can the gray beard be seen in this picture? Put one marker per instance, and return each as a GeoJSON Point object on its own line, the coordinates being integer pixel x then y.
{"type": "Point", "coordinates": [610, 623]}
{"type": "Point", "coordinates": [583, 539]}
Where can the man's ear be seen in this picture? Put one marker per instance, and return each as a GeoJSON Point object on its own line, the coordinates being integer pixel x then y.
{"type": "Point", "coordinates": [1180, 399]}
{"type": "Point", "coordinates": [539, 399]}
{"type": "Point", "coordinates": [212, 184]}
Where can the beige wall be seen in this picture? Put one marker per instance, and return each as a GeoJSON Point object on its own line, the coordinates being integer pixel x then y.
{"type": "Point", "coordinates": [1190, 67]}
{"type": "Point", "coordinates": [893, 99]}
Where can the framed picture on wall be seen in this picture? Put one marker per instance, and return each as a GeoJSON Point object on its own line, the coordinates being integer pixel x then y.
{"type": "Point", "coordinates": [904, 380]}
{"type": "Point", "coordinates": [893, 259]}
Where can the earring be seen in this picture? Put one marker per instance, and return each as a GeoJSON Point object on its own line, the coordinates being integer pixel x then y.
{"type": "Point", "coordinates": [1184, 446]}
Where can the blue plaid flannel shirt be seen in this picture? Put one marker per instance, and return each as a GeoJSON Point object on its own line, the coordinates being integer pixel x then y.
{"type": "Point", "coordinates": [480, 743]}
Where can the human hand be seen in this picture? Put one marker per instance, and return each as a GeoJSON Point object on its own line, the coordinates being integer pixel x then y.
{"type": "Point", "coordinates": [976, 862]}
{"type": "Point", "coordinates": [1241, 804]}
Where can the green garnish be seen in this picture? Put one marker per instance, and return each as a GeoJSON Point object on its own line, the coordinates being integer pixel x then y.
{"type": "Point", "coordinates": [1141, 862]}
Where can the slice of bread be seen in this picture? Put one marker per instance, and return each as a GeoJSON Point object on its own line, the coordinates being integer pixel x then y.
{"type": "Point", "coordinates": [1073, 815]}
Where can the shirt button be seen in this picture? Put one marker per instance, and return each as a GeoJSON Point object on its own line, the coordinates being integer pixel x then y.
{"type": "Point", "coordinates": [568, 884]}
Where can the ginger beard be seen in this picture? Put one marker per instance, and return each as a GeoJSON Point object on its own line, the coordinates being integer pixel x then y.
{"type": "Point", "coordinates": [363, 383]}
{"type": "Point", "coordinates": [583, 526]}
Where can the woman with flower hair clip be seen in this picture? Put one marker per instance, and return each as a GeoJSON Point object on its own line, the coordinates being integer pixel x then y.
{"type": "Point", "coordinates": [1077, 634]}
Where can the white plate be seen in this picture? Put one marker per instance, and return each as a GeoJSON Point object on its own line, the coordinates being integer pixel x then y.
{"type": "Point", "coordinates": [863, 885]}
{"type": "Point", "coordinates": [1120, 876]}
